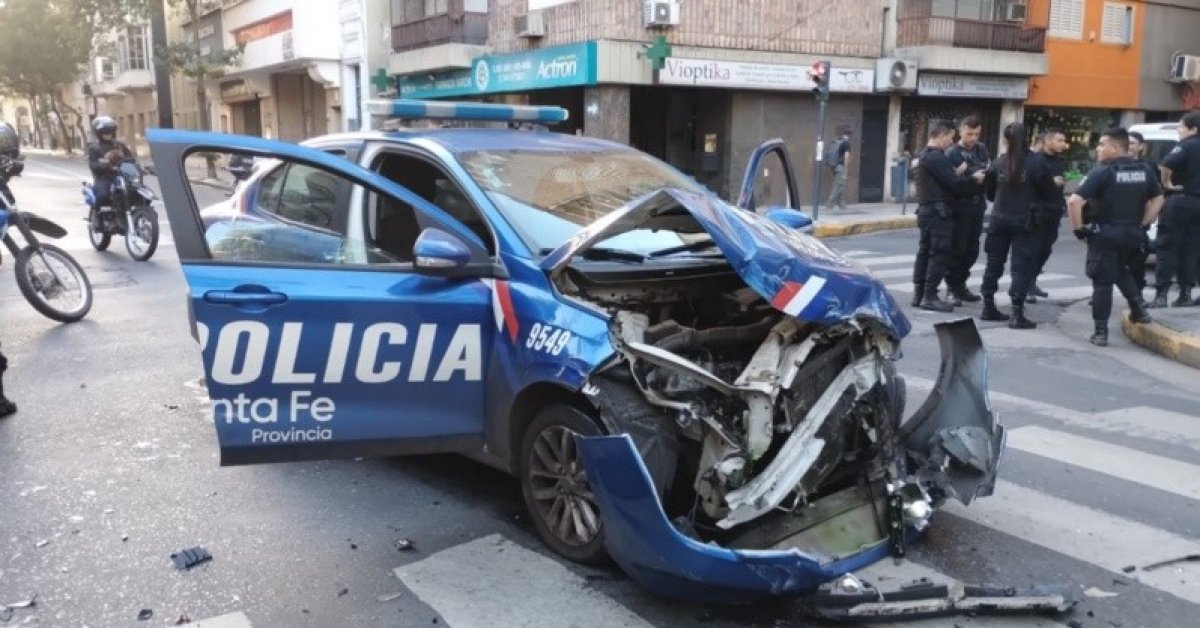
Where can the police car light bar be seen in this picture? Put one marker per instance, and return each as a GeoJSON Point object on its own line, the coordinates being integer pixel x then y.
{"type": "Point", "coordinates": [442, 110]}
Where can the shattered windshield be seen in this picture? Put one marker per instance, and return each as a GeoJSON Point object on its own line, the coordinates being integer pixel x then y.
{"type": "Point", "coordinates": [549, 195]}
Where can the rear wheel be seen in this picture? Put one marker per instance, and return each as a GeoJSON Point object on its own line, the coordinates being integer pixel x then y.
{"type": "Point", "coordinates": [141, 239]}
{"type": "Point", "coordinates": [554, 484]}
{"type": "Point", "coordinates": [53, 283]}
{"type": "Point", "coordinates": [99, 238]}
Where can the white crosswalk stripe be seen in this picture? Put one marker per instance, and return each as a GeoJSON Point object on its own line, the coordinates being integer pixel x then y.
{"type": "Point", "coordinates": [232, 620]}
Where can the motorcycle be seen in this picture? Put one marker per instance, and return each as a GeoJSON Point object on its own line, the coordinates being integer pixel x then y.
{"type": "Point", "coordinates": [49, 278]}
{"type": "Point", "coordinates": [131, 213]}
{"type": "Point", "coordinates": [241, 168]}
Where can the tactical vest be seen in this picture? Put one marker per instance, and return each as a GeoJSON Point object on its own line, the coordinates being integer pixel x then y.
{"type": "Point", "coordinates": [1124, 200]}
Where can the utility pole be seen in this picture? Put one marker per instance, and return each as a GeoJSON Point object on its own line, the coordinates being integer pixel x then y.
{"type": "Point", "coordinates": [819, 73]}
{"type": "Point", "coordinates": [162, 74]}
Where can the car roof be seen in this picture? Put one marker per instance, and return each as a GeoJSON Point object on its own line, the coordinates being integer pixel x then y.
{"type": "Point", "coordinates": [467, 140]}
{"type": "Point", "coordinates": [1157, 131]}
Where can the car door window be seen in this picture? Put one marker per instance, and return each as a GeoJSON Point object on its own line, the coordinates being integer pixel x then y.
{"type": "Point", "coordinates": [391, 229]}
{"type": "Point", "coordinates": [292, 214]}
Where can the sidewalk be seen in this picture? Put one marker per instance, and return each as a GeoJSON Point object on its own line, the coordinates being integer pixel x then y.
{"type": "Point", "coordinates": [1175, 333]}
{"type": "Point", "coordinates": [863, 218]}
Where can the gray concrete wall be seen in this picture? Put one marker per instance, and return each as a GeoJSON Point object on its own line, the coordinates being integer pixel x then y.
{"type": "Point", "coordinates": [759, 116]}
{"type": "Point", "coordinates": [1167, 28]}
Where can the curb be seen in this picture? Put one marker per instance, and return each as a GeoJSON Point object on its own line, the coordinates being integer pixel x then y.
{"type": "Point", "coordinates": [1178, 346]}
{"type": "Point", "coordinates": [838, 229]}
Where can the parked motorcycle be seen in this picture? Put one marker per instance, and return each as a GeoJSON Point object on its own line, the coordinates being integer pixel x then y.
{"type": "Point", "coordinates": [49, 278]}
{"type": "Point", "coordinates": [131, 214]}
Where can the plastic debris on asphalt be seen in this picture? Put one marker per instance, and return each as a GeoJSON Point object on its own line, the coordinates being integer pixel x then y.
{"type": "Point", "coordinates": [189, 558]}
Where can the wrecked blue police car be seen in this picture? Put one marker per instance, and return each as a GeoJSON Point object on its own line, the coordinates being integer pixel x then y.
{"type": "Point", "coordinates": [695, 389]}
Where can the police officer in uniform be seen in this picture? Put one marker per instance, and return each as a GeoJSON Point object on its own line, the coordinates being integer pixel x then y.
{"type": "Point", "coordinates": [938, 184]}
{"type": "Point", "coordinates": [1125, 198]}
{"type": "Point", "coordinates": [1181, 165]}
{"type": "Point", "coordinates": [103, 157]}
{"type": "Point", "coordinates": [1137, 151]}
{"type": "Point", "coordinates": [1009, 184]}
{"type": "Point", "coordinates": [1047, 169]}
{"type": "Point", "coordinates": [969, 209]}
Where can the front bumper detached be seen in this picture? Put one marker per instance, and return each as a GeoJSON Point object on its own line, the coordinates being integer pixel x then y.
{"type": "Point", "coordinates": [954, 439]}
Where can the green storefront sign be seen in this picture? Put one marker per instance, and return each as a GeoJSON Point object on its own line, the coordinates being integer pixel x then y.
{"type": "Point", "coordinates": [561, 66]}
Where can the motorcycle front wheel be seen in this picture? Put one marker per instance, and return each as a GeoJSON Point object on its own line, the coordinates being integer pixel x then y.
{"type": "Point", "coordinates": [53, 283]}
{"type": "Point", "coordinates": [141, 238]}
{"type": "Point", "coordinates": [96, 234]}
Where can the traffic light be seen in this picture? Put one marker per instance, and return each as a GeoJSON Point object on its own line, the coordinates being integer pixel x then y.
{"type": "Point", "coordinates": [819, 73]}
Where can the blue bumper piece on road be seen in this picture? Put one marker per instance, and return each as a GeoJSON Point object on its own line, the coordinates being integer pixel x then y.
{"type": "Point", "coordinates": [658, 557]}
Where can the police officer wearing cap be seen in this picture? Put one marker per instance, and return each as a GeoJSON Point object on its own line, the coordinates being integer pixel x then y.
{"type": "Point", "coordinates": [1125, 198]}
{"type": "Point", "coordinates": [939, 183]}
{"type": "Point", "coordinates": [1182, 166]}
{"type": "Point", "coordinates": [969, 209]}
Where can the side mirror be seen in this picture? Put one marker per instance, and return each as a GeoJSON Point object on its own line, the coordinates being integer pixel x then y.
{"type": "Point", "coordinates": [790, 218]}
{"type": "Point", "coordinates": [439, 253]}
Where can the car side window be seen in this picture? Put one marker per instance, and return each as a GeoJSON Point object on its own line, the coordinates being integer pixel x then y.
{"type": "Point", "coordinates": [294, 213]}
{"type": "Point", "coordinates": [393, 226]}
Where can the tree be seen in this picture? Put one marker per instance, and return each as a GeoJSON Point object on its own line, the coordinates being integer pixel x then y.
{"type": "Point", "coordinates": [44, 45]}
{"type": "Point", "coordinates": [184, 58]}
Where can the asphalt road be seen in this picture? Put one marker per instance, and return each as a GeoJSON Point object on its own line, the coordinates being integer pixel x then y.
{"type": "Point", "coordinates": [110, 467]}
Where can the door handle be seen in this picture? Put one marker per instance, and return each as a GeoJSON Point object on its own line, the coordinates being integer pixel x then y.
{"type": "Point", "coordinates": [239, 297]}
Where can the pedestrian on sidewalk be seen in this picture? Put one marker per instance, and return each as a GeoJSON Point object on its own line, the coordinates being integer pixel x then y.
{"type": "Point", "coordinates": [1009, 184]}
{"type": "Point", "coordinates": [837, 160]}
{"type": "Point", "coordinates": [969, 208]}
{"type": "Point", "coordinates": [1180, 225]}
{"type": "Point", "coordinates": [6, 407]}
{"type": "Point", "coordinates": [938, 184]}
{"type": "Point", "coordinates": [1137, 151]}
{"type": "Point", "coordinates": [1048, 169]}
{"type": "Point", "coordinates": [1125, 198]}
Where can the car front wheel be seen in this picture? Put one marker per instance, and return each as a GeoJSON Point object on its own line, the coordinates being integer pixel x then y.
{"type": "Point", "coordinates": [555, 486]}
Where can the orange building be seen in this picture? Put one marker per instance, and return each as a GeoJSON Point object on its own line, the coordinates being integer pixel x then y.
{"type": "Point", "coordinates": [1108, 65]}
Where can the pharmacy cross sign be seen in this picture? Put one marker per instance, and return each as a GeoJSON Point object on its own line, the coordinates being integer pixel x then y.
{"type": "Point", "coordinates": [381, 80]}
{"type": "Point", "coordinates": [658, 52]}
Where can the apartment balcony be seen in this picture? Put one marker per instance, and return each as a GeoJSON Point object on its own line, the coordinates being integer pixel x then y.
{"type": "Point", "coordinates": [124, 83]}
{"type": "Point", "coordinates": [465, 28]}
{"type": "Point", "coordinates": [957, 44]}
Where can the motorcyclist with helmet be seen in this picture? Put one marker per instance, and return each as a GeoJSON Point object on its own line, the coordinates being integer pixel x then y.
{"type": "Point", "coordinates": [103, 157]}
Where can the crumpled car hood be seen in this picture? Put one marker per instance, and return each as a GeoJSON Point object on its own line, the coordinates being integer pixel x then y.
{"type": "Point", "coordinates": [796, 273]}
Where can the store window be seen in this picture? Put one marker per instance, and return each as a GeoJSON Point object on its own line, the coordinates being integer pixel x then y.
{"type": "Point", "coordinates": [405, 11]}
{"type": "Point", "coordinates": [1066, 19]}
{"type": "Point", "coordinates": [1082, 128]}
{"type": "Point", "coordinates": [1117, 27]}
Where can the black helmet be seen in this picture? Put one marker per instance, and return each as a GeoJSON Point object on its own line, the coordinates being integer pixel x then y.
{"type": "Point", "coordinates": [104, 124]}
{"type": "Point", "coordinates": [10, 142]}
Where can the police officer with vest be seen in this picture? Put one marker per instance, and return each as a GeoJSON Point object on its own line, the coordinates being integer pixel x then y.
{"type": "Point", "coordinates": [969, 209]}
{"type": "Point", "coordinates": [1124, 198]}
{"type": "Point", "coordinates": [1011, 230]}
{"type": "Point", "coordinates": [1137, 151]}
{"type": "Point", "coordinates": [1182, 166]}
{"type": "Point", "coordinates": [939, 183]}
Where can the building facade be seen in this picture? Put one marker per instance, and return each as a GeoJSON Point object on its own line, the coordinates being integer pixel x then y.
{"type": "Point", "coordinates": [732, 74]}
{"type": "Point", "coordinates": [1111, 64]}
{"type": "Point", "coordinates": [122, 83]}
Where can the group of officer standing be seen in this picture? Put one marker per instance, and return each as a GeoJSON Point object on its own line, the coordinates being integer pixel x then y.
{"type": "Point", "coordinates": [1111, 210]}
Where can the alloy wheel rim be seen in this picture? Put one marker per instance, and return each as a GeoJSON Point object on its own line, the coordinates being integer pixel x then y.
{"type": "Point", "coordinates": [560, 490]}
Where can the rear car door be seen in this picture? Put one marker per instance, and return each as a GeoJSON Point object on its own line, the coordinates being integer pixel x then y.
{"type": "Point", "coordinates": [770, 180]}
{"type": "Point", "coordinates": [315, 343]}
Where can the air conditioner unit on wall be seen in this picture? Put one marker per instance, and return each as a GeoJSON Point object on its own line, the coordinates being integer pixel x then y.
{"type": "Point", "coordinates": [895, 75]}
{"type": "Point", "coordinates": [530, 25]}
{"type": "Point", "coordinates": [659, 13]}
{"type": "Point", "coordinates": [1016, 12]}
{"type": "Point", "coordinates": [1185, 68]}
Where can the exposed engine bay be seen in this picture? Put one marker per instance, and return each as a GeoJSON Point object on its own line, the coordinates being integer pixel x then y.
{"type": "Point", "coordinates": [742, 413]}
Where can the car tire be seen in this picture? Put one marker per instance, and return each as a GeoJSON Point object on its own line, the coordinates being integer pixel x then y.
{"type": "Point", "coordinates": [554, 484]}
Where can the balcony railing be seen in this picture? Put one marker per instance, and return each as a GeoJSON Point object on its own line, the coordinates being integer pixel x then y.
{"type": "Point", "coordinates": [948, 31]}
{"type": "Point", "coordinates": [464, 28]}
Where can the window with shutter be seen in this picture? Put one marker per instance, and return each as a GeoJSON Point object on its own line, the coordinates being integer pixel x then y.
{"type": "Point", "coordinates": [1066, 18]}
{"type": "Point", "coordinates": [1117, 27]}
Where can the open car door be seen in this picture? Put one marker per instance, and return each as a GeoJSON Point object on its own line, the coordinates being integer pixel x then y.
{"type": "Point", "coordinates": [319, 344]}
{"type": "Point", "coordinates": [769, 187]}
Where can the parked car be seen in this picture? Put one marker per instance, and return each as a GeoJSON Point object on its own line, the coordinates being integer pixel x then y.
{"type": "Point", "coordinates": [695, 389]}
